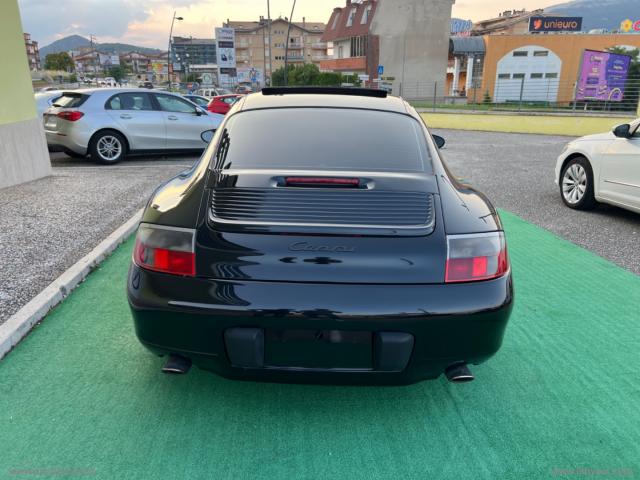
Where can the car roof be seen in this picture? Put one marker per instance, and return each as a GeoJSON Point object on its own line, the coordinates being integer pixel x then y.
{"type": "Point", "coordinates": [258, 101]}
{"type": "Point", "coordinates": [114, 90]}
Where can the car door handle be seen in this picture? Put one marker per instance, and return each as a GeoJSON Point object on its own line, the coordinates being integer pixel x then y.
{"type": "Point", "coordinates": [126, 116]}
{"type": "Point", "coordinates": [172, 117]}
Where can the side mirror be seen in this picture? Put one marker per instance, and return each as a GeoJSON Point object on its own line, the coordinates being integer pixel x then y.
{"type": "Point", "coordinates": [440, 142]}
{"type": "Point", "coordinates": [207, 136]}
{"type": "Point", "coordinates": [622, 131]}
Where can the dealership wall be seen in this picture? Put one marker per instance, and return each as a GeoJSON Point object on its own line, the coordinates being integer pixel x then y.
{"type": "Point", "coordinates": [568, 47]}
{"type": "Point", "coordinates": [23, 148]}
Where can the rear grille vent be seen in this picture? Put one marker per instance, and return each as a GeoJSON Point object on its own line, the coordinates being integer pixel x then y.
{"type": "Point", "coordinates": [323, 207]}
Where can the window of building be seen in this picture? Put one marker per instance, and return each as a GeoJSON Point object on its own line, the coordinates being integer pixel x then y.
{"type": "Point", "coordinates": [537, 75]}
{"type": "Point", "coordinates": [335, 21]}
{"type": "Point", "coordinates": [365, 15]}
{"type": "Point", "coordinates": [518, 76]}
{"type": "Point", "coordinates": [352, 16]}
{"type": "Point", "coordinates": [504, 76]}
{"type": "Point", "coordinates": [521, 53]}
{"type": "Point", "coordinates": [541, 53]}
{"type": "Point", "coordinates": [551, 75]}
{"type": "Point", "coordinates": [359, 46]}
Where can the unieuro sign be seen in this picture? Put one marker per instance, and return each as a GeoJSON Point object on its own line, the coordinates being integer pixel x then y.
{"type": "Point", "coordinates": [628, 26]}
{"type": "Point", "coordinates": [555, 24]}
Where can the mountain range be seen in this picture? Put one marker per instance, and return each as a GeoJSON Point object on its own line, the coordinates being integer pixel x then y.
{"type": "Point", "coordinates": [74, 42]}
{"type": "Point", "coordinates": [599, 13]}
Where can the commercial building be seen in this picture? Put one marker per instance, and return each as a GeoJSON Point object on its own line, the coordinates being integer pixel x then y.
{"type": "Point", "coordinates": [253, 50]}
{"type": "Point", "coordinates": [33, 53]}
{"type": "Point", "coordinates": [187, 51]}
{"type": "Point", "coordinates": [540, 68]}
{"type": "Point", "coordinates": [23, 148]}
{"type": "Point", "coordinates": [510, 22]}
{"type": "Point", "coordinates": [401, 45]}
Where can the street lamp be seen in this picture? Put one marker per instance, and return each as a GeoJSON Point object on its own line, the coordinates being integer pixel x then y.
{"type": "Point", "coordinates": [169, 49]}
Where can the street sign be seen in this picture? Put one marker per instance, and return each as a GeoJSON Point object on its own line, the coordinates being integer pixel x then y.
{"type": "Point", "coordinates": [364, 78]}
{"type": "Point", "coordinates": [380, 69]}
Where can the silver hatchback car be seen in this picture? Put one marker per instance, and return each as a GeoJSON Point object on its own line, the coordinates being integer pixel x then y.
{"type": "Point", "coordinates": [108, 123]}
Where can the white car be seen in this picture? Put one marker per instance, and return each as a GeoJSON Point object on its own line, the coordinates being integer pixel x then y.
{"type": "Point", "coordinates": [108, 123]}
{"type": "Point", "coordinates": [603, 168]}
{"type": "Point", "coordinates": [44, 100]}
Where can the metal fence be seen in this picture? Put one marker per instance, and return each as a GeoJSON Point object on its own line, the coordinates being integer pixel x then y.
{"type": "Point", "coordinates": [540, 93]}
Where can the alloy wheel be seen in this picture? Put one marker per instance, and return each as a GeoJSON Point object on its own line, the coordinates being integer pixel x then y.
{"type": "Point", "coordinates": [109, 148]}
{"type": "Point", "coordinates": [574, 183]}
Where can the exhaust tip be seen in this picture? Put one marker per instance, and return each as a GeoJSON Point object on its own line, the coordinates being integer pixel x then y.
{"type": "Point", "coordinates": [176, 365]}
{"type": "Point", "coordinates": [459, 373]}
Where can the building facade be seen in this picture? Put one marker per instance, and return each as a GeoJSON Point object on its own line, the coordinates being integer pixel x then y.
{"type": "Point", "coordinates": [510, 22]}
{"type": "Point", "coordinates": [541, 68]}
{"type": "Point", "coordinates": [254, 52]}
{"type": "Point", "coordinates": [33, 53]}
{"type": "Point", "coordinates": [188, 51]}
{"type": "Point", "coordinates": [401, 45]}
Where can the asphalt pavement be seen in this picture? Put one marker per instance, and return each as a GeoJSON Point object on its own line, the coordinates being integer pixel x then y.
{"type": "Point", "coordinates": [49, 224]}
{"type": "Point", "coordinates": [516, 171]}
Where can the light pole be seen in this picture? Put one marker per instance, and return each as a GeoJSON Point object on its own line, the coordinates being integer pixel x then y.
{"type": "Point", "coordinates": [169, 49]}
{"type": "Point", "coordinates": [269, 40]}
{"type": "Point", "coordinates": [286, 47]}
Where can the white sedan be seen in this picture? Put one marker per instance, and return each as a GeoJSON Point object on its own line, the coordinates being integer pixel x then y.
{"type": "Point", "coordinates": [603, 168]}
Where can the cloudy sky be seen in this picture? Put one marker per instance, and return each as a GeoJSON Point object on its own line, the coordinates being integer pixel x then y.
{"type": "Point", "coordinates": [147, 22]}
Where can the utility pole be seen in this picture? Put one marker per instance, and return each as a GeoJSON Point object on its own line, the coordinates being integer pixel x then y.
{"type": "Point", "coordinates": [286, 47]}
{"type": "Point", "coordinates": [93, 54]}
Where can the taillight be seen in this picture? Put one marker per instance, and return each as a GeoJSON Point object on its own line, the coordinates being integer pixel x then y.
{"type": "Point", "coordinates": [165, 249]}
{"type": "Point", "coordinates": [471, 258]}
{"type": "Point", "coordinates": [71, 115]}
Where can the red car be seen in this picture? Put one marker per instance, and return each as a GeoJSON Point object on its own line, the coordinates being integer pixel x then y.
{"type": "Point", "coordinates": [223, 103]}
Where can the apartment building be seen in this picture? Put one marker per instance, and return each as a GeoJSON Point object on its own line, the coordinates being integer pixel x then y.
{"type": "Point", "coordinates": [189, 51]}
{"type": "Point", "coordinates": [252, 44]}
{"type": "Point", "coordinates": [402, 45]}
{"type": "Point", "coordinates": [33, 53]}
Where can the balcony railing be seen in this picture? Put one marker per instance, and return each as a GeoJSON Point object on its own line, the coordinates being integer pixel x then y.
{"type": "Point", "coordinates": [319, 46]}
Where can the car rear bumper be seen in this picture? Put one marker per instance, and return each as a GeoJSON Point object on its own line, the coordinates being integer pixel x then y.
{"type": "Point", "coordinates": [57, 142]}
{"type": "Point", "coordinates": [221, 324]}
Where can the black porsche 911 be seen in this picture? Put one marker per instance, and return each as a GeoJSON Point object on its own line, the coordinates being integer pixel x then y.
{"type": "Point", "coordinates": [321, 238]}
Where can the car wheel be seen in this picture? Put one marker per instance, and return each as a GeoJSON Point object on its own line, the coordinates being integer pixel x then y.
{"type": "Point", "coordinates": [576, 184]}
{"type": "Point", "coordinates": [108, 147]}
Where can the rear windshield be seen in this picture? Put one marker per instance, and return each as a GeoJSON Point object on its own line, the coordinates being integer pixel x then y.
{"type": "Point", "coordinates": [70, 100]}
{"type": "Point", "coordinates": [323, 139]}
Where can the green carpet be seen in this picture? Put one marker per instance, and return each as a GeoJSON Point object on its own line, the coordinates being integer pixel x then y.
{"type": "Point", "coordinates": [81, 398]}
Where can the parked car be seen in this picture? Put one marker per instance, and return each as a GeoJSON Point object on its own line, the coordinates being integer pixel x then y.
{"type": "Point", "coordinates": [44, 100]}
{"type": "Point", "coordinates": [244, 89]}
{"type": "Point", "coordinates": [603, 168]}
{"type": "Point", "coordinates": [148, 85]}
{"type": "Point", "coordinates": [211, 92]}
{"type": "Point", "coordinates": [109, 124]}
{"type": "Point", "coordinates": [198, 100]}
{"type": "Point", "coordinates": [223, 103]}
{"type": "Point", "coordinates": [321, 237]}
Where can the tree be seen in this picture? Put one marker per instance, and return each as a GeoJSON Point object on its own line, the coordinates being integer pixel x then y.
{"type": "Point", "coordinates": [310, 75]}
{"type": "Point", "coordinates": [118, 72]}
{"type": "Point", "coordinates": [59, 61]}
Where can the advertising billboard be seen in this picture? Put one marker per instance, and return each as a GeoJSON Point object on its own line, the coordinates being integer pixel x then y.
{"type": "Point", "coordinates": [250, 75]}
{"type": "Point", "coordinates": [603, 76]}
{"type": "Point", "coordinates": [226, 43]}
{"type": "Point", "coordinates": [555, 24]}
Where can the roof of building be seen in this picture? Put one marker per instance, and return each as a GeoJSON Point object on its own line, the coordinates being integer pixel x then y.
{"type": "Point", "coordinates": [251, 26]}
{"type": "Point", "coordinates": [259, 101]}
{"type": "Point", "coordinates": [504, 21]}
{"type": "Point", "coordinates": [466, 45]}
{"type": "Point", "coordinates": [193, 41]}
{"type": "Point", "coordinates": [338, 26]}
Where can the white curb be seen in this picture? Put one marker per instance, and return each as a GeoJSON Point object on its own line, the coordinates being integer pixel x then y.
{"type": "Point", "coordinates": [20, 324]}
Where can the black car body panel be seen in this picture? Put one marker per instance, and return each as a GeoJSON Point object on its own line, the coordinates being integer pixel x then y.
{"type": "Point", "coordinates": [283, 270]}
